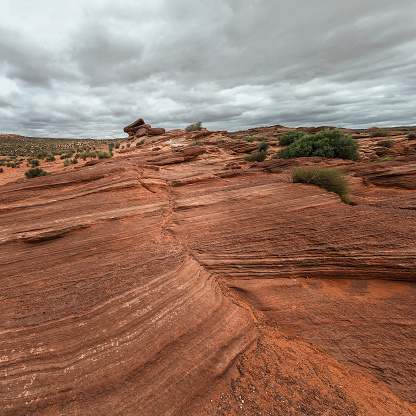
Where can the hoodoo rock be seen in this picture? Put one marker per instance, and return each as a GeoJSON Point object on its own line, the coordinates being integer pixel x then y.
{"type": "Point", "coordinates": [182, 280]}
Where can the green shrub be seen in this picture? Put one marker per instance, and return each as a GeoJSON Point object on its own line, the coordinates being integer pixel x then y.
{"type": "Point", "coordinates": [110, 147]}
{"type": "Point", "coordinates": [117, 145]}
{"type": "Point", "coordinates": [128, 144]}
{"type": "Point", "coordinates": [140, 142]}
{"type": "Point", "coordinates": [330, 179]}
{"type": "Point", "coordinates": [290, 137]}
{"type": "Point", "coordinates": [66, 162]}
{"type": "Point", "coordinates": [196, 143]}
{"type": "Point", "coordinates": [326, 143]}
{"type": "Point", "coordinates": [31, 173]}
{"type": "Point", "coordinates": [74, 161]}
{"type": "Point", "coordinates": [34, 162]}
{"type": "Point", "coordinates": [44, 154]}
{"type": "Point", "coordinates": [411, 135]}
{"type": "Point", "coordinates": [194, 127]}
{"type": "Point", "coordinates": [386, 143]}
{"type": "Point", "coordinates": [263, 146]}
{"type": "Point", "coordinates": [103, 155]}
{"type": "Point", "coordinates": [258, 156]}
{"type": "Point", "coordinates": [379, 133]}
{"type": "Point", "coordinates": [1, 170]}
{"type": "Point", "coordinates": [50, 158]}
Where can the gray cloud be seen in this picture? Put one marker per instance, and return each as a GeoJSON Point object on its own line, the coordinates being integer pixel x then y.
{"type": "Point", "coordinates": [86, 70]}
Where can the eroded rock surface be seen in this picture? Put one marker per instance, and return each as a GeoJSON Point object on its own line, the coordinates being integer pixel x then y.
{"type": "Point", "coordinates": [182, 280]}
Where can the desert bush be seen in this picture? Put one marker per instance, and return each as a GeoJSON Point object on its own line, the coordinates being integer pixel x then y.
{"type": "Point", "coordinates": [196, 143]}
{"type": "Point", "coordinates": [43, 154]}
{"type": "Point", "coordinates": [128, 144]}
{"type": "Point", "coordinates": [31, 173]}
{"type": "Point", "coordinates": [66, 162]}
{"type": "Point", "coordinates": [194, 127]}
{"type": "Point", "coordinates": [110, 147]}
{"type": "Point", "coordinates": [117, 145]}
{"type": "Point", "coordinates": [140, 142]}
{"type": "Point", "coordinates": [325, 143]}
{"type": "Point", "coordinates": [379, 133]}
{"type": "Point", "coordinates": [263, 146]}
{"type": "Point", "coordinates": [290, 137]}
{"type": "Point", "coordinates": [1, 170]}
{"type": "Point", "coordinates": [103, 155]}
{"type": "Point", "coordinates": [386, 143]}
{"type": "Point", "coordinates": [411, 135]}
{"type": "Point", "coordinates": [74, 161]}
{"type": "Point", "coordinates": [330, 179]}
{"type": "Point", "coordinates": [258, 156]}
{"type": "Point", "coordinates": [34, 162]}
{"type": "Point", "coordinates": [50, 158]}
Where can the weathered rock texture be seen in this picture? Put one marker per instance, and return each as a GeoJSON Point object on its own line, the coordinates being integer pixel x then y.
{"type": "Point", "coordinates": [190, 282]}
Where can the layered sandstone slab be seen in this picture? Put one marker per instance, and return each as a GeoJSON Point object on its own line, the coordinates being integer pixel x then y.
{"type": "Point", "coordinates": [342, 277]}
{"type": "Point", "coordinates": [103, 312]}
{"type": "Point", "coordinates": [133, 285]}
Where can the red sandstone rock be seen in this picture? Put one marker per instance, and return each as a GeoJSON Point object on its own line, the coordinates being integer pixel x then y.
{"type": "Point", "coordinates": [156, 131]}
{"type": "Point", "coordinates": [134, 126]}
{"type": "Point", "coordinates": [140, 133]}
{"type": "Point", "coordinates": [132, 288]}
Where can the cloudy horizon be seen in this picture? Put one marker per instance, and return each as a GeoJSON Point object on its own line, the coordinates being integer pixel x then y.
{"type": "Point", "coordinates": [78, 69]}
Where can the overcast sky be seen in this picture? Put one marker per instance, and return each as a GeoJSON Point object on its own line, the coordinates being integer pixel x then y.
{"type": "Point", "coordinates": [86, 68]}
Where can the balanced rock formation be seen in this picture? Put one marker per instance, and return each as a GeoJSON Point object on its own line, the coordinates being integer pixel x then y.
{"type": "Point", "coordinates": [186, 281]}
{"type": "Point", "coordinates": [139, 129]}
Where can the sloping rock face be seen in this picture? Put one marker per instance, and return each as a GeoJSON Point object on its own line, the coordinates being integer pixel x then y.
{"type": "Point", "coordinates": [190, 282]}
{"type": "Point", "coordinates": [103, 311]}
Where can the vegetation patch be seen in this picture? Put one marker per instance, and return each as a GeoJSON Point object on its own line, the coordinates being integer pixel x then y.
{"type": "Point", "coordinates": [330, 179]}
{"type": "Point", "coordinates": [379, 133]}
{"type": "Point", "coordinates": [140, 142]}
{"type": "Point", "coordinates": [326, 143]}
{"type": "Point", "coordinates": [196, 143]}
{"type": "Point", "coordinates": [383, 159]}
{"type": "Point", "coordinates": [32, 173]}
{"type": "Point", "coordinates": [290, 137]}
{"type": "Point", "coordinates": [259, 155]}
{"type": "Point", "coordinates": [194, 127]}
{"type": "Point", "coordinates": [411, 135]}
{"type": "Point", "coordinates": [104, 155]}
{"type": "Point", "coordinates": [386, 143]}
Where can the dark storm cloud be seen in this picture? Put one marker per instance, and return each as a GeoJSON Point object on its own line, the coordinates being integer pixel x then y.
{"type": "Point", "coordinates": [87, 69]}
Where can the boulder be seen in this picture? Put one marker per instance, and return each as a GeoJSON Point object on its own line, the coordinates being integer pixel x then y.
{"type": "Point", "coordinates": [156, 131]}
{"type": "Point", "coordinates": [134, 126]}
{"type": "Point", "coordinates": [141, 132]}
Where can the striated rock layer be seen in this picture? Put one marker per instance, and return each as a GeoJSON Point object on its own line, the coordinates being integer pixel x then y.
{"type": "Point", "coordinates": [190, 282]}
